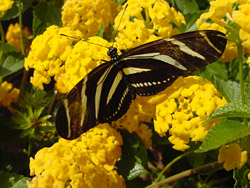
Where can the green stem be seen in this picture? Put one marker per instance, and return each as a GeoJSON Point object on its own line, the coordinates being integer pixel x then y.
{"type": "Point", "coordinates": [25, 73]}
{"type": "Point", "coordinates": [171, 163]}
{"type": "Point", "coordinates": [240, 58]}
{"type": "Point", "coordinates": [20, 25]}
{"type": "Point", "coordinates": [2, 39]}
{"type": "Point", "coordinates": [185, 174]}
{"type": "Point", "coordinates": [242, 90]}
{"type": "Point", "coordinates": [29, 148]}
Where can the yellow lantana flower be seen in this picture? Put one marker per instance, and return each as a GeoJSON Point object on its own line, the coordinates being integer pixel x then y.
{"type": "Point", "coordinates": [48, 53]}
{"type": "Point", "coordinates": [88, 16]}
{"type": "Point", "coordinates": [13, 37]}
{"type": "Point", "coordinates": [8, 94]}
{"type": "Point", "coordinates": [146, 21]}
{"type": "Point", "coordinates": [232, 156]}
{"type": "Point", "coordinates": [84, 162]}
{"type": "Point", "coordinates": [84, 57]}
{"type": "Point", "coordinates": [4, 6]}
{"type": "Point", "coordinates": [182, 108]}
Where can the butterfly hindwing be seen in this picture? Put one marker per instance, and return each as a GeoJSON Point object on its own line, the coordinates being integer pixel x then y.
{"type": "Point", "coordinates": [113, 96]}
{"type": "Point", "coordinates": [77, 113]}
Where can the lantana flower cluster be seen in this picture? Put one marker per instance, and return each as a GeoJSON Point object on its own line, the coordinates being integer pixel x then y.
{"type": "Point", "coordinates": [8, 94]}
{"type": "Point", "coordinates": [88, 16]}
{"type": "Point", "coordinates": [146, 21]}
{"type": "Point", "coordinates": [183, 107]}
{"type": "Point", "coordinates": [13, 37]}
{"type": "Point", "coordinates": [87, 161]}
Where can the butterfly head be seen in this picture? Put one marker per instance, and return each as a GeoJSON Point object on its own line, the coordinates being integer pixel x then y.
{"type": "Point", "coordinates": [112, 53]}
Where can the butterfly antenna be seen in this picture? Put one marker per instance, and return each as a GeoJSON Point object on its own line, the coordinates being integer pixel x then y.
{"type": "Point", "coordinates": [84, 40]}
{"type": "Point", "coordinates": [119, 24]}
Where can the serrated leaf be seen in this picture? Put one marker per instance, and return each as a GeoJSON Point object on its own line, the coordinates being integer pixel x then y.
{"type": "Point", "coordinates": [134, 156]}
{"type": "Point", "coordinates": [223, 132]}
{"type": "Point", "coordinates": [230, 110]}
{"type": "Point", "coordinates": [44, 15]}
{"type": "Point", "coordinates": [187, 6]}
{"type": "Point", "coordinates": [13, 12]}
{"type": "Point", "coordinates": [10, 63]}
{"type": "Point", "coordinates": [229, 89]}
{"type": "Point", "coordinates": [12, 180]}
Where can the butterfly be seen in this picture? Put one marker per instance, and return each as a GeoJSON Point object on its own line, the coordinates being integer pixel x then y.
{"type": "Point", "coordinates": [105, 94]}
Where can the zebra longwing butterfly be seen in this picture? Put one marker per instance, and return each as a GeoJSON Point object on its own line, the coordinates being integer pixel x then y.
{"type": "Point", "coordinates": [105, 94]}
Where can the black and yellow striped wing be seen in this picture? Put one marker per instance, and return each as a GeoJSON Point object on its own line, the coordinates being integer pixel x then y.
{"type": "Point", "coordinates": [106, 93]}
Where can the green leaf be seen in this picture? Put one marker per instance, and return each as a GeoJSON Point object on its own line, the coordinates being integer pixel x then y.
{"type": "Point", "coordinates": [120, 2]}
{"type": "Point", "coordinates": [100, 31]}
{"type": "Point", "coordinates": [211, 71]}
{"type": "Point", "coordinates": [12, 180]}
{"type": "Point", "coordinates": [35, 97]}
{"type": "Point", "coordinates": [134, 156]}
{"type": "Point", "coordinates": [229, 89]}
{"type": "Point", "coordinates": [191, 21]}
{"type": "Point", "coordinates": [223, 132]}
{"type": "Point", "coordinates": [10, 63]}
{"type": "Point", "coordinates": [44, 15]}
{"type": "Point", "coordinates": [187, 6]}
{"type": "Point", "coordinates": [8, 48]}
{"type": "Point", "coordinates": [230, 110]}
{"type": "Point", "coordinates": [13, 12]}
{"type": "Point", "coordinates": [28, 133]}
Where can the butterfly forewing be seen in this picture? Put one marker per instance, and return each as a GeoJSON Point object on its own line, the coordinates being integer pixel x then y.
{"type": "Point", "coordinates": [152, 67]}
{"type": "Point", "coordinates": [106, 93]}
